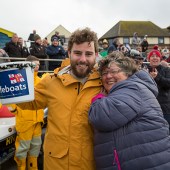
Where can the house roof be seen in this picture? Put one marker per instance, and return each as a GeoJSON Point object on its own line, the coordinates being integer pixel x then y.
{"type": "Point", "coordinates": [62, 31]}
{"type": "Point", "coordinates": [167, 30]}
{"type": "Point", "coordinates": [127, 28]}
{"type": "Point", "coordinates": [7, 32]}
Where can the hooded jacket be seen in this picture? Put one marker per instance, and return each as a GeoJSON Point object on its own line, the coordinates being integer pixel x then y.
{"type": "Point", "coordinates": [135, 40]}
{"type": "Point", "coordinates": [68, 141]}
{"type": "Point", "coordinates": [130, 131]}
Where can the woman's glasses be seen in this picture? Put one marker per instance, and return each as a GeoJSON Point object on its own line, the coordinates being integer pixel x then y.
{"type": "Point", "coordinates": [111, 72]}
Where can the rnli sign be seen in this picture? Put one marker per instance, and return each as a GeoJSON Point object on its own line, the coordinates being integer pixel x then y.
{"type": "Point", "coordinates": [13, 83]}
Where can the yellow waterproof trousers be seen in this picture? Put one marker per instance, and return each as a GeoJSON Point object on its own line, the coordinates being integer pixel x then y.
{"type": "Point", "coordinates": [28, 146]}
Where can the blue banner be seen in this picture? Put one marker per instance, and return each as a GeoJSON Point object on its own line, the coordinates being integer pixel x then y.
{"type": "Point", "coordinates": [13, 83]}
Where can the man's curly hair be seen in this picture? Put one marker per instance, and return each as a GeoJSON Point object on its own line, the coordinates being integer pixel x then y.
{"type": "Point", "coordinates": [83, 35]}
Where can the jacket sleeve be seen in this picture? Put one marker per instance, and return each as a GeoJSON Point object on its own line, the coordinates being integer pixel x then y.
{"type": "Point", "coordinates": [163, 80]}
{"type": "Point", "coordinates": [50, 51]}
{"type": "Point", "coordinates": [6, 48]}
{"type": "Point", "coordinates": [116, 110]}
{"type": "Point", "coordinates": [40, 101]}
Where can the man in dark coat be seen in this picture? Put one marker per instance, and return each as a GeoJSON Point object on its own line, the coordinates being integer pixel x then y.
{"type": "Point", "coordinates": [12, 48]}
{"type": "Point", "coordinates": [38, 50]}
{"type": "Point", "coordinates": [55, 51]}
{"type": "Point", "coordinates": [24, 50]}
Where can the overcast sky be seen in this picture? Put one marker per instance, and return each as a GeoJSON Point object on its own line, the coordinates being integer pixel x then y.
{"type": "Point", "coordinates": [22, 16]}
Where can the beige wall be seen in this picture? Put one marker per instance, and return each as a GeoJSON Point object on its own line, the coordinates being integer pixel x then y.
{"type": "Point", "coordinates": [167, 40]}
{"type": "Point", "coordinates": [152, 40]}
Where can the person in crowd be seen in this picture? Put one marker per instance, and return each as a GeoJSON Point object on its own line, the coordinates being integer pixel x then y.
{"type": "Point", "coordinates": [67, 93]}
{"type": "Point", "coordinates": [130, 132]}
{"type": "Point", "coordinates": [57, 34]}
{"type": "Point", "coordinates": [156, 47]}
{"type": "Point", "coordinates": [115, 46]}
{"type": "Point", "coordinates": [124, 49]}
{"type": "Point", "coordinates": [12, 48]}
{"type": "Point", "coordinates": [55, 51]}
{"type": "Point", "coordinates": [138, 58]}
{"type": "Point", "coordinates": [5, 55]}
{"type": "Point", "coordinates": [28, 126]}
{"type": "Point", "coordinates": [45, 42]}
{"type": "Point", "coordinates": [24, 50]}
{"type": "Point", "coordinates": [136, 41]}
{"type": "Point", "coordinates": [165, 52]}
{"type": "Point", "coordinates": [161, 75]}
{"type": "Point", "coordinates": [144, 45]}
{"type": "Point", "coordinates": [105, 46]}
{"type": "Point", "coordinates": [38, 50]}
{"type": "Point", "coordinates": [31, 37]}
{"type": "Point", "coordinates": [65, 46]}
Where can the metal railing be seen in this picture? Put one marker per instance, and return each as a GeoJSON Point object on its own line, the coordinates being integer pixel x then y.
{"type": "Point", "coordinates": [23, 59]}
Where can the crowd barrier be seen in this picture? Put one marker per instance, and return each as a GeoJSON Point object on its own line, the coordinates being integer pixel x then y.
{"type": "Point", "coordinates": [47, 60]}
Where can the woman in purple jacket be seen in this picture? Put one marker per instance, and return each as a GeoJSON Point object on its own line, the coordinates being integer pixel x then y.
{"type": "Point", "coordinates": [129, 128]}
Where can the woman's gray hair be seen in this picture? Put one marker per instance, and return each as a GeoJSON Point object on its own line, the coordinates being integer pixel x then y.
{"type": "Point", "coordinates": [126, 64]}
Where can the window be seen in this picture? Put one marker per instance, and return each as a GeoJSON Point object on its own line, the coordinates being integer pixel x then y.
{"type": "Point", "coordinates": [126, 40]}
{"type": "Point", "coordinates": [160, 40]}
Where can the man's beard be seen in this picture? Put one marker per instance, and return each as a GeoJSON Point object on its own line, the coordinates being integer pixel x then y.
{"type": "Point", "coordinates": [79, 73]}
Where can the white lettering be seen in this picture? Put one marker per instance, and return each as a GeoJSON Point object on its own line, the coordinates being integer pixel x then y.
{"type": "Point", "coordinates": [7, 89]}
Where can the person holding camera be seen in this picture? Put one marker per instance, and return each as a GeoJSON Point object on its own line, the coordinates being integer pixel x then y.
{"type": "Point", "coordinates": [55, 51]}
{"type": "Point", "coordinates": [161, 75]}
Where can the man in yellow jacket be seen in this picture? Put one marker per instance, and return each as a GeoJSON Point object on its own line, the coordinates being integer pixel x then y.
{"type": "Point", "coordinates": [67, 93]}
{"type": "Point", "coordinates": [28, 127]}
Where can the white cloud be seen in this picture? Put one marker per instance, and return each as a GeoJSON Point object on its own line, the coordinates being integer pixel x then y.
{"type": "Point", "coordinates": [22, 16]}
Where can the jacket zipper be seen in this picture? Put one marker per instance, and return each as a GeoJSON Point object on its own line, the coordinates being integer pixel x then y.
{"type": "Point", "coordinates": [116, 159]}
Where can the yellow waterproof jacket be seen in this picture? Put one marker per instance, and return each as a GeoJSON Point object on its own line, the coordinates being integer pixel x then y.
{"type": "Point", "coordinates": [69, 137]}
{"type": "Point", "coordinates": [26, 118]}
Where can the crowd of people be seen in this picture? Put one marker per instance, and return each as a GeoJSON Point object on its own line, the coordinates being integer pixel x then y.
{"type": "Point", "coordinates": [138, 49]}
{"type": "Point", "coordinates": [108, 111]}
{"type": "Point", "coordinates": [39, 48]}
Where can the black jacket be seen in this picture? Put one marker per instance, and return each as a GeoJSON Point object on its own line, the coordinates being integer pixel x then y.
{"type": "Point", "coordinates": [38, 51]}
{"type": "Point", "coordinates": [163, 83]}
{"type": "Point", "coordinates": [13, 50]}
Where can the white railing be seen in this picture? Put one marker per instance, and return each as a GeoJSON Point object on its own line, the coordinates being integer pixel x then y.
{"type": "Point", "coordinates": [23, 59]}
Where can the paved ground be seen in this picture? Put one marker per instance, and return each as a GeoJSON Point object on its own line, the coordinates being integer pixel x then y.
{"type": "Point", "coordinates": [9, 165]}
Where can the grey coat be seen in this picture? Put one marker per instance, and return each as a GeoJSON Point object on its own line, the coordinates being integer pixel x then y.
{"type": "Point", "coordinates": [130, 130]}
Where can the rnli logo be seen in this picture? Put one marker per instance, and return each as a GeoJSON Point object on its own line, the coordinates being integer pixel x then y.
{"type": "Point", "coordinates": [16, 78]}
{"type": "Point", "coordinates": [13, 83]}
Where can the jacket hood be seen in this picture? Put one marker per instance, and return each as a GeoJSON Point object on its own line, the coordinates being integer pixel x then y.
{"type": "Point", "coordinates": [140, 78]}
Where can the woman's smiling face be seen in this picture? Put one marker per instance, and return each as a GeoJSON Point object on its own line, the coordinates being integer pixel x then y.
{"type": "Point", "coordinates": [112, 75]}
